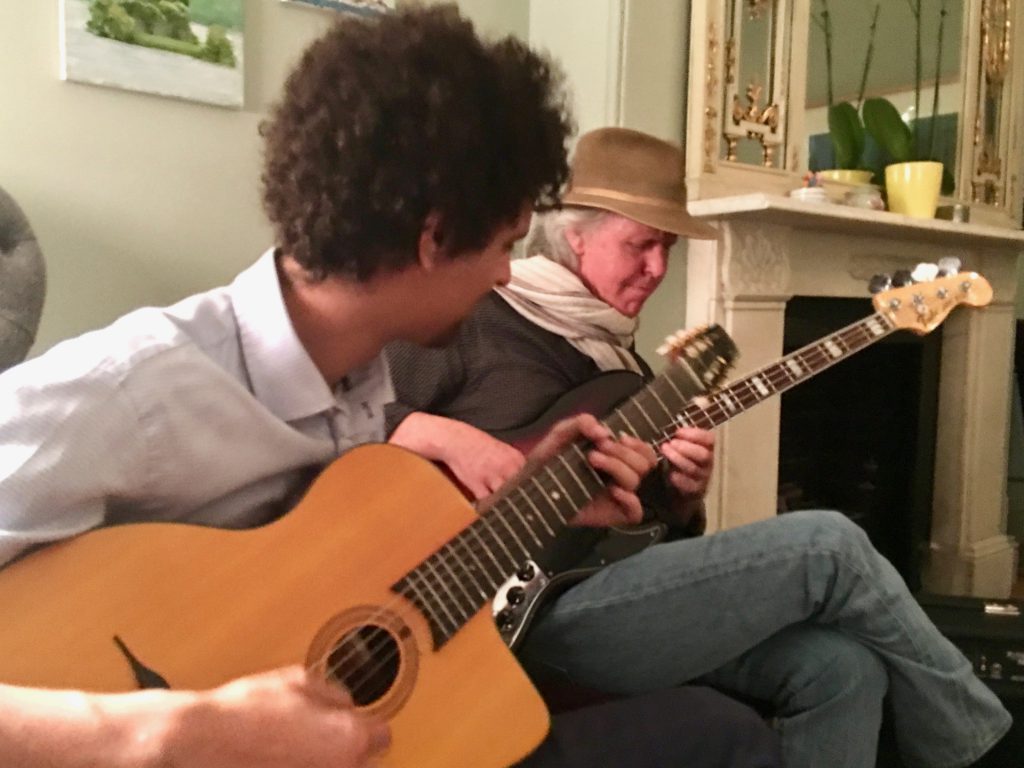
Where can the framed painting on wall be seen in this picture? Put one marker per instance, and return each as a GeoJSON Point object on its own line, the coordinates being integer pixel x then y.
{"type": "Point", "coordinates": [186, 49]}
{"type": "Point", "coordinates": [348, 6]}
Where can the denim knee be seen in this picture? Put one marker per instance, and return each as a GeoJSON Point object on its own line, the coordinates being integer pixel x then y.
{"type": "Point", "coordinates": [842, 670]}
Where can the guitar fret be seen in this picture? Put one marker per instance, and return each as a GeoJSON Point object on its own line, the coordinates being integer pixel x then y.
{"type": "Point", "coordinates": [443, 593]}
{"type": "Point", "coordinates": [561, 488]}
{"type": "Point", "coordinates": [536, 511]}
{"type": "Point", "coordinates": [429, 605]}
{"type": "Point", "coordinates": [501, 573]}
{"type": "Point", "coordinates": [497, 515]}
{"type": "Point", "coordinates": [528, 527]}
{"type": "Point", "coordinates": [572, 472]}
{"type": "Point", "coordinates": [471, 570]}
{"type": "Point", "coordinates": [629, 424]}
{"type": "Point", "coordinates": [672, 384]}
{"type": "Point", "coordinates": [665, 408]}
{"type": "Point", "coordinates": [551, 503]}
{"type": "Point", "coordinates": [583, 458]}
{"type": "Point", "coordinates": [457, 581]}
{"type": "Point", "coordinates": [485, 520]}
{"type": "Point", "coordinates": [654, 427]}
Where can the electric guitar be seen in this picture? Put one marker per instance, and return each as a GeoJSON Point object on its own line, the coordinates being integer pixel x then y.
{"type": "Point", "coordinates": [578, 553]}
{"type": "Point", "coordinates": [379, 580]}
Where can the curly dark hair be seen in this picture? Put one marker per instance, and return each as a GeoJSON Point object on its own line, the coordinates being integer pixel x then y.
{"type": "Point", "coordinates": [390, 118]}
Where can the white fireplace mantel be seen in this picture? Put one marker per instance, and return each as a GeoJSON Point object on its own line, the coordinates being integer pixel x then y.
{"type": "Point", "coordinates": [772, 248]}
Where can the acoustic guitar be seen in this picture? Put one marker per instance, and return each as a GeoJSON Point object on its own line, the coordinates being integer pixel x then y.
{"type": "Point", "coordinates": [577, 553]}
{"type": "Point", "coordinates": [380, 580]}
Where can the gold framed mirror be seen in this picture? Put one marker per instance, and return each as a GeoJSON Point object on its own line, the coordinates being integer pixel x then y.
{"type": "Point", "coordinates": [758, 92]}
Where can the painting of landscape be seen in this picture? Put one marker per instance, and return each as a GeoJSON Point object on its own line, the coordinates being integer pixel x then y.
{"type": "Point", "coordinates": [187, 49]}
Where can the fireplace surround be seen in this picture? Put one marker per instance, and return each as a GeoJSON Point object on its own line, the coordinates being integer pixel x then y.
{"type": "Point", "coordinates": [772, 249]}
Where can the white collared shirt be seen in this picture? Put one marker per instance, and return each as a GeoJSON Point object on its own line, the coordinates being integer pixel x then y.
{"type": "Point", "coordinates": [209, 411]}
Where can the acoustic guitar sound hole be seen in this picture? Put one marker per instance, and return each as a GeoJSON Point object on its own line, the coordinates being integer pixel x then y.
{"type": "Point", "coordinates": [366, 662]}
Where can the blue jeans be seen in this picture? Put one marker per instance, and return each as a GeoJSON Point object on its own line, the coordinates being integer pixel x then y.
{"type": "Point", "coordinates": [799, 611]}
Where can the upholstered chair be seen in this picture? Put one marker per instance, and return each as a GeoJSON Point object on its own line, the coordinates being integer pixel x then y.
{"type": "Point", "coordinates": [22, 283]}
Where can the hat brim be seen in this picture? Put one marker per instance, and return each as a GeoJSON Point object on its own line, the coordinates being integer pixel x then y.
{"type": "Point", "coordinates": [668, 217]}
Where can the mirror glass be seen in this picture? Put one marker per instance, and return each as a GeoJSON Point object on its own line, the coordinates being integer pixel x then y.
{"type": "Point", "coordinates": [905, 51]}
{"type": "Point", "coordinates": [751, 113]}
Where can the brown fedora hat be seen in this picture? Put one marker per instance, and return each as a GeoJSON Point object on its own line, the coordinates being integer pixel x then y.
{"type": "Point", "coordinates": [635, 175]}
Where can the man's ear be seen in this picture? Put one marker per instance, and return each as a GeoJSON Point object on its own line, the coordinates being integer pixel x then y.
{"type": "Point", "coordinates": [431, 243]}
{"type": "Point", "coordinates": [575, 239]}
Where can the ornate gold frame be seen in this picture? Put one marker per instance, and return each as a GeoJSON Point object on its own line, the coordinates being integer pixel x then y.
{"type": "Point", "coordinates": [721, 111]}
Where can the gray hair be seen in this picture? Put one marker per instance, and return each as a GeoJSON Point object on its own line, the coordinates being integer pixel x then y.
{"type": "Point", "coordinates": [547, 233]}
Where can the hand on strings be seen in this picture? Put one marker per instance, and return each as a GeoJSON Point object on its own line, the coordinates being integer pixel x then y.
{"type": "Point", "coordinates": [690, 453]}
{"type": "Point", "coordinates": [285, 718]}
{"type": "Point", "coordinates": [624, 462]}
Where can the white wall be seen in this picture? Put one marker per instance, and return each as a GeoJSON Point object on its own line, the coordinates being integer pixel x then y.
{"type": "Point", "coordinates": [138, 199]}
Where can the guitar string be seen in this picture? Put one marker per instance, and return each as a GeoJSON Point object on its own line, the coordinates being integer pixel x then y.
{"type": "Point", "coordinates": [813, 349]}
{"type": "Point", "coordinates": [497, 512]}
{"type": "Point", "coordinates": [822, 359]}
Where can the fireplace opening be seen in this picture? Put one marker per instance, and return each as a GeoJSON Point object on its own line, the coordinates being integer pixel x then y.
{"type": "Point", "coordinates": [860, 436]}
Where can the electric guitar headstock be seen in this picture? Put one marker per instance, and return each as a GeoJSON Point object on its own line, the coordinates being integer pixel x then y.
{"type": "Point", "coordinates": [707, 351]}
{"type": "Point", "coordinates": [919, 301]}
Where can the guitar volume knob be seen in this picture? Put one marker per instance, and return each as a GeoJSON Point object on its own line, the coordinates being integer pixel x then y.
{"type": "Point", "coordinates": [515, 595]}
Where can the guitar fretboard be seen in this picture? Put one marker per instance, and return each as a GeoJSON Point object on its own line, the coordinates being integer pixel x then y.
{"type": "Point", "coordinates": [791, 370]}
{"type": "Point", "coordinates": [453, 584]}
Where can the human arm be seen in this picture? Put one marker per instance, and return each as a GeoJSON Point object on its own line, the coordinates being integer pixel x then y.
{"type": "Point", "coordinates": [70, 440]}
{"type": "Point", "coordinates": [279, 719]}
{"type": "Point", "coordinates": [480, 462]}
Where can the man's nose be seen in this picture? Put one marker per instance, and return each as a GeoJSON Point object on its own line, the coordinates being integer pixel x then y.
{"type": "Point", "coordinates": [657, 262]}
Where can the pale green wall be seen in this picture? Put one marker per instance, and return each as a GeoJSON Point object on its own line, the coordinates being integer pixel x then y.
{"type": "Point", "coordinates": [138, 199]}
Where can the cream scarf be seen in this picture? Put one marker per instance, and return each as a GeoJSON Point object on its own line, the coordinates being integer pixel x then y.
{"type": "Point", "coordinates": [551, 296]}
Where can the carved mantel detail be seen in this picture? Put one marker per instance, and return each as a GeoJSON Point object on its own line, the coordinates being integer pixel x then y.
{"type": "Point", "coordinates": [757, 264]}
{"type": "Point", "coordinates": [774, 248]}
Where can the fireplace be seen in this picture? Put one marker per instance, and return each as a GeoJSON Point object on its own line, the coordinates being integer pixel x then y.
{"type": "Point", "coordinates": [776, 257]}
{"type": "Point", "coordinates": [860, 436]}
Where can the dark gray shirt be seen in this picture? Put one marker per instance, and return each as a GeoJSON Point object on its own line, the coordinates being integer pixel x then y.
{"type": "Point", "coordinates": [500, 372]}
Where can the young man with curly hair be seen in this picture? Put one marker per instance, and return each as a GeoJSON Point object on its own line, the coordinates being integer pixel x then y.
{"type": "Point", "coordinates": [402, 164]}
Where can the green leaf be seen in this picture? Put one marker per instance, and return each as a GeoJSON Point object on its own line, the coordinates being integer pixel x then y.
{"type": "Point", "coordinates": [886, 126]}
{"type": "Point", "coordinates": [847, 133]}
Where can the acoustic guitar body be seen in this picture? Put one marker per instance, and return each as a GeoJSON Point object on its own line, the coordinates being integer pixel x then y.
{"type": "Point", "coordinates": [198, 607]}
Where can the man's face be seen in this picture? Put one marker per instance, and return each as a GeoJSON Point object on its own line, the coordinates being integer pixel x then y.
{"type": "Point", "coordinates": [622, 261]}
{"type": "Point", "coordinates": [460, 282]}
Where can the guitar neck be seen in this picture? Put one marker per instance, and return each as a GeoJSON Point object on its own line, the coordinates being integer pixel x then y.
{"type": "Point", "coordinates": [458, 579]}
{"type": "Point", "coordinates": [793, 369]}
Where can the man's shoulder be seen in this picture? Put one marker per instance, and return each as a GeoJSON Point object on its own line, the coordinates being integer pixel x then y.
{"type": "Point", "coordinates": [137, 344]}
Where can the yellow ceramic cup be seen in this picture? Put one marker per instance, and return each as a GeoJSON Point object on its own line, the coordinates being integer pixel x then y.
{"type": "Point", "coordinates": [913, 188]}
{"type": "Point", "coordinates": [847, 176]}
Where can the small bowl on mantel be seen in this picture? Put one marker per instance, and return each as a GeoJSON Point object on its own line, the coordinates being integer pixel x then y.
{"type": "Point", "coordinates": [809, 194]}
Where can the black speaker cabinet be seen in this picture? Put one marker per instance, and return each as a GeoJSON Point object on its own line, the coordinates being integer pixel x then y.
{"type": "Point", "coordinates": [991, 634]}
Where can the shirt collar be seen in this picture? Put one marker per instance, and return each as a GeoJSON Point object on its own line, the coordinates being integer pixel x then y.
{"type": "Point", "coordinates": [283, 376]}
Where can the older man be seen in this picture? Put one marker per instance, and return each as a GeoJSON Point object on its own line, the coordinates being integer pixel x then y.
{"type": "Point", "coordinates": [799, 610]}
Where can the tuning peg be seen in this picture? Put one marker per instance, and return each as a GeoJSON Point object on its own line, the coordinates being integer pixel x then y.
{"type": "Point", "coordinates": [879, 283]}
{"type": "Point", "coordinates": [948, 265]}
{"type": "Point", "coordinates": [902, 277]}
{"type": "Point", "coordinates": [925, 273]}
